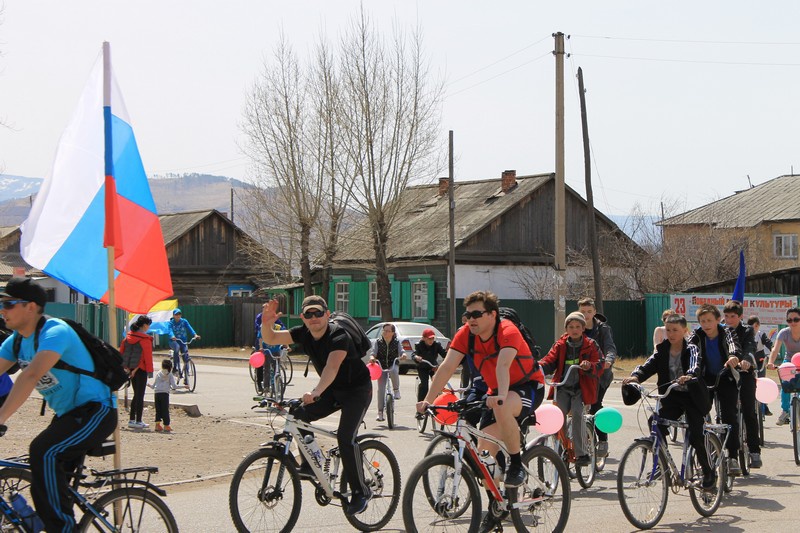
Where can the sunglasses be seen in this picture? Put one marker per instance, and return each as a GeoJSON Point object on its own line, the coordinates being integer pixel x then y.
{"type": "Point", "coordinates": [9, 304]}
{"type": "Point", "coordinates": [314, 313]}
{"type": "Point", "coordinates": [474, 314]}
{"type": "Point", "coordinates": [789, 320]}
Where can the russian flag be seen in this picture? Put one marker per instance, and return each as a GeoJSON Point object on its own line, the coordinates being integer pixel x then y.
{"type": "Point", "coordinates": [97, 195]}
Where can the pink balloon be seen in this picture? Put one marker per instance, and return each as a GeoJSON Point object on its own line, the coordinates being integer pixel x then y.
{"type": "Point", "coordinates": [375, 371]}
{"type": "Point", "coordinates": [786, 371]}
{"type": "Point", "coordinates": [549, 419]}
{"type": "Point", "coordinates": [796, 359]}
{"type": "Point", "coordinates": [257, 359]}
{"type": "Point", "coordinates": [766, 390]}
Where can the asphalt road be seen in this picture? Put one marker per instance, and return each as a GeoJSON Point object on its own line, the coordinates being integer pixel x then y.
{"type": "Point", "coordinates": [765, 501]}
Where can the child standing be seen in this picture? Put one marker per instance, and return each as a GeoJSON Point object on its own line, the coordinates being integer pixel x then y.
{"type": "Point", "coordinates": [163, 383]}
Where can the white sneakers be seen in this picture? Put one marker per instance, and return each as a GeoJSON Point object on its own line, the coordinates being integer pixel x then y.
{"type": "Point", "coordinates": [783, 419]}
{"type": "Point", "coordinates": [137, 425]}
{"type": "Point", "coordinates": [397, 395]}
{"type": "Point", "coordinates": [380, 417]}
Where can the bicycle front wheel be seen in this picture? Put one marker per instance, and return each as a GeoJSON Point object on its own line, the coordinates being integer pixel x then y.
{"type": "Point", "coordinates": [744, 449]}
{"type": "Point", "coordinates": [586, 474]}
{"type": "Point", "coordinates": [382, 477]}
{"type": "Point", "coordinates": [265, 493]}
{"type": "Point", "coordinates": [390, 410]}
{"type": "Point", "coordinates": [542, 503]}
{"type": "Point", "coordinates": [760, 406]}
{"type": "Point", "coordinates": [422, 422]}
{"type": "Point", "coordinates": [434, 501]}
{"type": "Point", "coordinates": [190, 374]}
{"type": "Point", "coordinates": [286, 363]}
{"type": "Point", "coordinates": [14, 480]}
{"type": "Point", "coordinates": [642, 492]}
{"type": "Point", "coordinates": [706, 502]}
{"type": "Point", "coordinates": [795, 427]}
{"type": "Point", "coordinates": [130, 509]}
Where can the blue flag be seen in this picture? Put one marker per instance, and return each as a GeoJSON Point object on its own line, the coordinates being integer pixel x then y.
{"type": "Point", "coordinates": [738, 290]}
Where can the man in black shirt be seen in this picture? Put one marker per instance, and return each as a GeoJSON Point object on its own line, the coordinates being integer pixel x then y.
{"type": "Point", "coordinates": [344, 383]}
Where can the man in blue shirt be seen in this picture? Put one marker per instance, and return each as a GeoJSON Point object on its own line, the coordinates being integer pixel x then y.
{"type": "Point", "coordinates": [86, 412]}
{"type": "Point", "coordinates": [179, 330]}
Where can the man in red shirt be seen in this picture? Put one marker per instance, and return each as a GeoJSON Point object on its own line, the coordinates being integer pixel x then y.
{"type": "Point", "coordinates": [505, 362]}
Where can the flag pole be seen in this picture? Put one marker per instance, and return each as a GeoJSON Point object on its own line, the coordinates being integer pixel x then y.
{"type": "Point", "coordinates": [113, 338]}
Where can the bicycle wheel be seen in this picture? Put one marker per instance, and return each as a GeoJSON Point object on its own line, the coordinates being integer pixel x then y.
{"type": "Point", "coordinates": [433, 501]}
{"type": "Point", "coordinates": [727, 484]}
{"type": "Point", "coordinates": [130, 509]}
{"type": "Point", "coordinates": [190, 374]}
{"type": "Point", "coordinates": [795, 427]}
{"type": "Point", "coordinates": [390, 410]}
{"type": "Point", "coordinates": [265, 493]}
{"type": "Point", "coordinates": [286, 362]}
{"type": "Point", "coordinates": [586, 474]}
{"type": "Point", "coordinates": [543, 502]}
{"type": "Point", "coordinates": [642, 493]}
{"type": "Point", "coordinates": [706, 502]}
{"type": "Point", "coordinates": [439, 444]}
{"type": "Point", "coordinates": [14, 480]}
{"type": "Point", "coordinates": [422, 422]}
{"type": "Point", "coordinates": [278, 386]}
{"type": "Point", "coordinates": [382, 477]}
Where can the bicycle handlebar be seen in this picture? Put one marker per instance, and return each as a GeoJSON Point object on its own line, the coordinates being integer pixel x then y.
{"type": "Point", "coordinates": [654, 393]}
{"type": "Point", "coordinates": [563, 378]}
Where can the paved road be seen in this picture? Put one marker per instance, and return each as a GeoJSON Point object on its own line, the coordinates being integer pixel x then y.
{"type": "Point", "coordinates": [766, 501]}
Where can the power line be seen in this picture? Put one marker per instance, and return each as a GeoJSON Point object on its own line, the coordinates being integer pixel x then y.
{"type": "Point", "coordinates": [512, 54]}
{"type": "Point", "coordinates": [500, 74]}
{"type": "Point", "coordinates": [697, 61]}
{"type": "Point", "coordinates": [686, 41]}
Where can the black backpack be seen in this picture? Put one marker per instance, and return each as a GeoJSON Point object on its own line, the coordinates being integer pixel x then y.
{"type": "Point", "coordinates": [131, 354]}
{"type": "Point", "coordinates": [354, 330]}
{"type": "Point", "coordinates": [107, 359]}
{"type": "Point", "coordinates": [511, 314]}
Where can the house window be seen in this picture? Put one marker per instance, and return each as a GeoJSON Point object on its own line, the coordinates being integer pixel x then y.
{"type": "Point", "coordinates": [343, 297]}
{"type": "Point", "coordinates": [785, 246]}
{"type": "Point", "coordinates": [419, 291]}
{"type": "Point", "coordinates": [374, 303]}
{"type": "Point", "coordinates": [239, 293]}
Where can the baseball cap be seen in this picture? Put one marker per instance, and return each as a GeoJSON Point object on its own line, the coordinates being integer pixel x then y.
{"type": "Point", "coordinates": [25, 289]}
{"type": "Point", "coordinates": [428, 332]}
{"type": "Point", "coordinates": [177, 311]}
{"type": "Point", "coordinates": [314, 302]}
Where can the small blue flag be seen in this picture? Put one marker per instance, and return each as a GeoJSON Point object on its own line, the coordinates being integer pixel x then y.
{"type": "Point", "coordinates": [738, 290]}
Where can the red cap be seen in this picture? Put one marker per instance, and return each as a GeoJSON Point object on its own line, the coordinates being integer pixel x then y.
{"type": "Point", "coordinates": [428, 333]}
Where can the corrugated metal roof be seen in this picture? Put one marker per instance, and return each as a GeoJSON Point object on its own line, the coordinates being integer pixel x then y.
{"type": "Point", "coordinates": [175, 225]}
{"type": "Point", "coordinates": [420, 231]}
{"type": "Point", "coordinates": [775, 200]}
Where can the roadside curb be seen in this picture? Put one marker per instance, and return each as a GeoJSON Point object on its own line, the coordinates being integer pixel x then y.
{"type": "Point", "coordinates": [195, 480]}
{"type": "Point", "coordinates": [191, 409]}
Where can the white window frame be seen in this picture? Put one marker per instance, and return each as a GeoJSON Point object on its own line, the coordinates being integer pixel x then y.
{"type": "Point", "coordinates": [374, 302]}
{"type": "Point", "coordinates": [240, 293]}
{"type": "Point", "coordinates": [784, 245]}
{"type": "Point", "coordinates": [342, 290]}
{"type": "Point", "coordinates": [419, 299]}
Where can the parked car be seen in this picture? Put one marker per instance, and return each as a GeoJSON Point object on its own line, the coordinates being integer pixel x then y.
{"type": "Point", "coordinates": [409, 333]}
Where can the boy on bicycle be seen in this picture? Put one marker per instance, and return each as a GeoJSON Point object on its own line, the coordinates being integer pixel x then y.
{"type": "Point", "coordinates": [505, 362]}
{"type": "Point", "coordinates": [673, 360]}
{"type": "Point", "coordinates": [344, 384]}
{"type": "Point", "coordinates": [271, 352]}
{"type": "Point", "coordinates": [575, 348]}
{"type": "Point", "coordinates": [179, 330]}
{"type": "Point", "coordinates": [426, 354]}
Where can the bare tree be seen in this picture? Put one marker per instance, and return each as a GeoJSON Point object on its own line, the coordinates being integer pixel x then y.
{"type": "Point", "coordinates": [390, 122]}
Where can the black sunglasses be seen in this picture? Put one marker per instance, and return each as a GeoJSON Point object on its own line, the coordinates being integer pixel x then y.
{"type": "Point", "coordinates": [314, 313]}
{"type": "Point", "coordinates": [474, 314]}
{"type": "Point", "coordinates": [9, 304]}
{"type": "Point", "coordinates": [789, 320]}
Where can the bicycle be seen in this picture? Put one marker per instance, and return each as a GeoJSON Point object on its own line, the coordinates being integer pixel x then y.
{"type": "Point", "coordinates": [422, 418]}
{"type": "Point", "coordinates": [562, 442]}
{"type": "Point", "coordinates": [189, 371]}
{"type": "Point", "coordinates": [389, 397]}
{"type": "Point", "coordinates": [442, 492]}
{"type": "Point", "coordinates": [265, 492]}
{"type": "Point", "coordinates": [647, 471]}
{"type": "Point", "coordinates": [790, 383]}
{"type": "Point", "coordinates": [724, 432]}
{"type": "Point", "coordinates": [273, 375]}
{"type": "Point", "coordinates": [112, 500]}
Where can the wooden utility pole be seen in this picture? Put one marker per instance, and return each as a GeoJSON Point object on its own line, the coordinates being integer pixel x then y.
{"type": "Point", "coordinates": [452, 260]}
{"type": "Point", "coordinates": [587, 165]}
{"type": "Point", "coordinates": [560, 225]}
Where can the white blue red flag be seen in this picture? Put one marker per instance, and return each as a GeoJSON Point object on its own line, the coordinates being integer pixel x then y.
{"type": "Point", "coordinates": [97, 195]}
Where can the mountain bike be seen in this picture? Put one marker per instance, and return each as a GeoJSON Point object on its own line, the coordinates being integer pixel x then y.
{"type": "Point", "coordinates": [265, 493]}
{"type": "Point", "coordinates": [443, 491]}
{"type": "Point", "coordinates": [270, 380]}
{"type": "Point", "coordinates": [188, 373]}
{"type": "Point", "coordinates": [111, 500]}
{"type": "Point", "coordinates": [422, 418]}
{"type": "Point", "coordinates": [647, 470]}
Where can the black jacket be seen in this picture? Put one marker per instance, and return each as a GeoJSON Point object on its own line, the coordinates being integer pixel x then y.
{"type": "Point", "coordinates": [728, 347]}
{"type": "Point", "coordinates": [601, 333]}
{"type": "Point", "coordinates": [747, 340]}
{"type": "Point", "coordinates": [658, 363]}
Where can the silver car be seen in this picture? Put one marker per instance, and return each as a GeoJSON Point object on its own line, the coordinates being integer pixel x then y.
{"type": "Point", "coordinates": [409, 334]}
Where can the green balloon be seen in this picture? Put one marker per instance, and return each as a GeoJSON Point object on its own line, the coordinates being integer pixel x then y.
{"type": "Point", "coordinates": [608, 420]}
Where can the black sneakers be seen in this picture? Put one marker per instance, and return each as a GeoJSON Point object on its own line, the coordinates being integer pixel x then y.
{"type": "Point", "coordinates": [709, 480]}
{"type": "Point", "coordinates": [583, 460]}
{"type": "Point", "coordinates": [489, 524]}
{"type": "Point", "coordinates": [358, 503]}
{"type": "Point", "coordinates": [515, 476]}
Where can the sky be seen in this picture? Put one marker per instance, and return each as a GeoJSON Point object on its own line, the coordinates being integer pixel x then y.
{"type": "Point", "coordinates": [685, 100]}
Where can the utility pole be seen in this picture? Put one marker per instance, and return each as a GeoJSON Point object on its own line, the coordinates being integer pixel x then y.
{"type": "Point", "coordinates": [452, 207]}
{"type": "Point", "coordinates": [560, 259]}
{"type": "Point", "coordinates": [587, 165]}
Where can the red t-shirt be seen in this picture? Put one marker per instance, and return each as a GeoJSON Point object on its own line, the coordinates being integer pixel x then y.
{"type": "Point", "coordinates": [508, 336]}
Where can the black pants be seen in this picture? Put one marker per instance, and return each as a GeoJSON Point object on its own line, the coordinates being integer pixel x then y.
{"type": "Point", "coordinates": [353, 403]}
{"type": "Point", "coordinates": [726, 391]}
{"type": "Point", "coordinates": [161, 401]}
{"type": "Point", "coordinates": [139, 384]}
{"type": "Point", "coordinates": [747, 396]}
{"type": "Point", "coordinates": [424, 373]}
{"type": "Point", "coordinates": [465, 374]}
{"type": "Point", "coordinates": [672, 407]}
{"type": "Point", "coordinates": [602, 387]}
{"type": "Point", "coordinates": [54, 453]}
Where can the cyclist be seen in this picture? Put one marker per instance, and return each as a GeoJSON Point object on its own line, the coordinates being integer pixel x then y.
{"type": "Point", "coordinates": [426, 354]}
{"type": "Point", "coordinates": [674, 359]}
{"type": "Point", "coordinates": [505, 363]}
{"type": "Point", "coordinates": [179, 329]}
{"type": "Point", "coordinates": [270, 351]}
{"type": "Point", "coordinates": [763, 347]}
{"type": "Point", "coordinates": [575, 348]}
{"type": "Point", "coordinates": [733, 311]}
{"type": "Point", "coordinates": [790, 338]}
{"type": "Point", "coordinates": [597, 328]}
{"type": "Point", "coordinates": [86, 411]}
{"type": "Point", "coordinates": [344, 384]}
{"type": "Point", "coordinates": [387, 353]}
{"type": "Point", "coordinates": [720, 350]}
